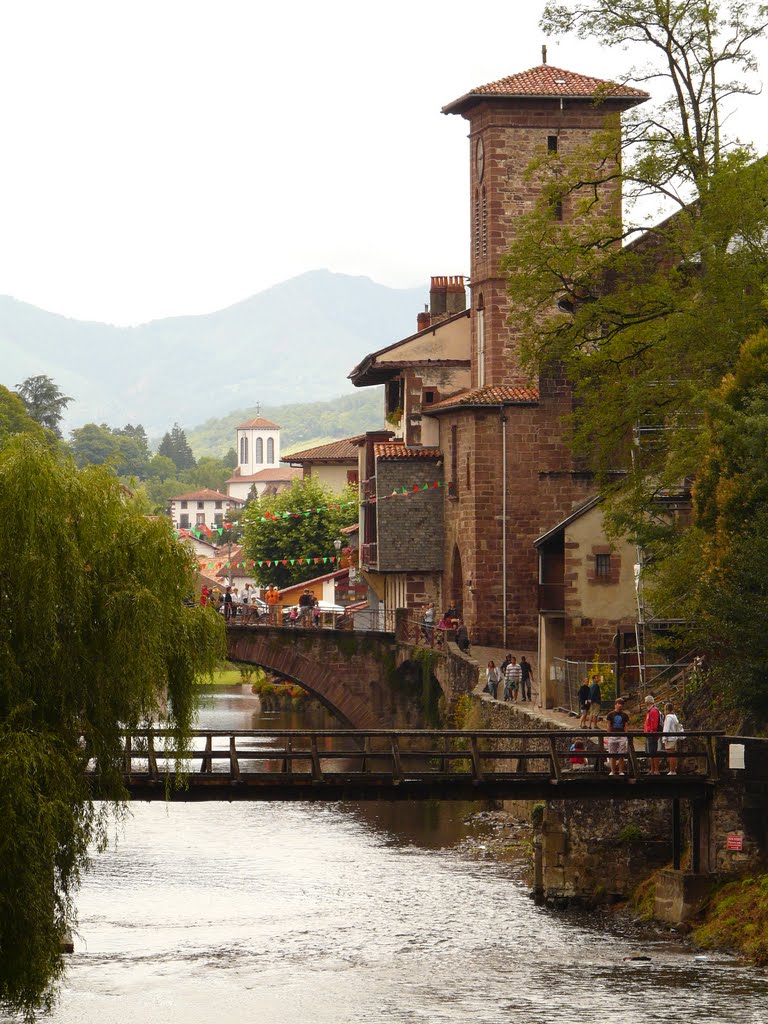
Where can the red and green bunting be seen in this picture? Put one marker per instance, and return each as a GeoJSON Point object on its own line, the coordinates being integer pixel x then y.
{"type": "Point", "coordinates": [308, 560]}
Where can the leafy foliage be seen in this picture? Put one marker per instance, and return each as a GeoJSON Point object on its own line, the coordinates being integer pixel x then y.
{"type": "Point", "coordinates": [14, 418]}
{"type": "Point", "coordinates": [44, 401]}
{"type": "Point", "coordinates": [304, 533]}
{"type": "Point", "coordinates": [94, 637]}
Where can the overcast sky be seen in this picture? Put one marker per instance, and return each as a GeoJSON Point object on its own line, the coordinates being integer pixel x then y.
{"type": "Point", "coordinates": [165, 157]}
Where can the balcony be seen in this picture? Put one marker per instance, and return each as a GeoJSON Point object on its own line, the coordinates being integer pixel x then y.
{"type": "Point", "coordinates": [551, 597]}
{"type": "Point", "coordinates": [369, 555]}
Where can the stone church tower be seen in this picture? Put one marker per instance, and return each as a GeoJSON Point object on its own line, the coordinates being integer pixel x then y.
{"type": "Point", "coordinates": [510, 470]}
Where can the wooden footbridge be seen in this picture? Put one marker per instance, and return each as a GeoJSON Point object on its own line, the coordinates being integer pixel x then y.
{"type": "Point", "coordinates": [347, 764]}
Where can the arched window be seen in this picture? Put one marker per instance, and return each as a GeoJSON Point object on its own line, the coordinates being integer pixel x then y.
{"type": "Point", "coordinates": [259, 456]}
{"type": "Point", "coordinates": [480, 341]}
{"type": "Point", "coordinates": [243, 450]}
{"type": "Point", "coordinates": [270, 450]}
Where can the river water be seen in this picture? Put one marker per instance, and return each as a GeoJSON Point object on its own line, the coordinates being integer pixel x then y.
{"type": "Point", "coordinates": [346, 914]}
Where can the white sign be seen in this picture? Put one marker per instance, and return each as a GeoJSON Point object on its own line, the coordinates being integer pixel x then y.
{"type": "Point", "coordinates": [736, 755]}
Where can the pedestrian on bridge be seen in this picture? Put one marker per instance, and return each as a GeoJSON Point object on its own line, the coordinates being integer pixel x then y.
{"type": "Point", "coordinates": [595, 701]}
{"type": "Point", "coordinates": [584, 703]}
{"type": "Point", "coordinates": [617, 740]}
{"type": "Point", "coordinates": [653, 726]}
{"type": "Point", "coordinates": [493, 677]}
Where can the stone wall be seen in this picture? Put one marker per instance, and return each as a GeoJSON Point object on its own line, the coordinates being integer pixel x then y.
{"type": "Point", "coordinates": [596, 851]}
{"type": "Point", "coordinates": [409, 529]}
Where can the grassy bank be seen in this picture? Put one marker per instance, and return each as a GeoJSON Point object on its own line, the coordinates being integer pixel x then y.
{"type": "Point", "coordinates": [736, 918]}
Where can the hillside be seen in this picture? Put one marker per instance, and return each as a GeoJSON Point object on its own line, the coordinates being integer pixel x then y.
{"type": "Point", "coordinates": [302, 425]}
{"type": "Point", "coordinates": [293, 342]}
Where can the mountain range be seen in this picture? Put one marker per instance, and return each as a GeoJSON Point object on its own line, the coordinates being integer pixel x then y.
{"type": "Point", "coordinates": [294, 342]}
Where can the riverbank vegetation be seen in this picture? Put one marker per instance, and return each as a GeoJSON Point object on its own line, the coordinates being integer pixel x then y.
{"type": "Point", "coordinates": [736, 918]}
{"type": "Point", "coordinates": [280, 695]}
{"type": "Point", "coordinates": [95, 637]}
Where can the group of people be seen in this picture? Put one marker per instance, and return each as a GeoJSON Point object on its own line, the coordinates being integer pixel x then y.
{"type": "Point", "coordinates": [665, 729]}
{"type": "Point", "coordinates": [517, 679]}
{"type": "Point", "coordinates": [590, 699]}
{"type": "Point", "coordinates": [450, 620]}
{"type": "Point", "coordinates": [231, 601]}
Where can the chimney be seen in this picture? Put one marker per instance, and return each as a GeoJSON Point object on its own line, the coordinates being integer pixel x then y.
{"type": "Point", "coordinates": [438, 297]}
{"type": "Point", "coordinates": [543, 55]}
{"type": "Point", "coordinates": [423, 320]}
{"type": "Point", "coordinates": [456, 296]}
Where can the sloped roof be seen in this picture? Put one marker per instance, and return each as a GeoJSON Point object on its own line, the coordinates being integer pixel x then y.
{"type": "Point", "coordinates": [390, 450]}
{"type": "Point", "coordinates": [576, 514]}
{"type": "Point", "coordinates": [370, 371]}
{"type": "Point", "coordinates": [547, 82]}
{"type": "Point", "coordinates": [276, 473]}
{"type": "Point", "coordinates": [205, 495]}
{"type": "Point", "coordinates": [492, 394]}
{"type": "Point", "coordinates": [342, 450]}
{"type": "Point", "coordinates": [259, 423]}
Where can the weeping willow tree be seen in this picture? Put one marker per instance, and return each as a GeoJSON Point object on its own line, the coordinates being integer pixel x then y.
{"type": "Point", "coordinates": [94, 637]}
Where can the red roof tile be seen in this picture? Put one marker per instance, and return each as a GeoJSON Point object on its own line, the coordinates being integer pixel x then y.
{"type": "Point", "coordinates": [493, 394]}
{"type": "Point", "coordinates": [259, 423]}
{"type": "Point", "coordinates": [333, 451]}
{"type": "Point", "coordinates": [545, 81]}
{"type": "Point", "coordinates": [395, 451]}
{"type": "Point", "coordinates": [205, 495]}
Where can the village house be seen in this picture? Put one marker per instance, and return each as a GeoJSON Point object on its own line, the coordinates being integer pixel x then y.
{"type": "Point", "coordinates": [201, 508]}
{"type": "Point", "coordinates": [334, 464]}
{"type": "Point", "coordinates": [465, 412]}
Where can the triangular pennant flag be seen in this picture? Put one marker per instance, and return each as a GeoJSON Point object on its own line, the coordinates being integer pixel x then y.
{"type": "Point", "coordinates": [425, 487]}
{"type": "Point", "coordinates": [292, 561]}
{"type": "Point", "coordinates": [284, 561]}
{"type": "Point", "coordinates": [269, 562]}
{"type": "Point", "coordinates": [315, 560]}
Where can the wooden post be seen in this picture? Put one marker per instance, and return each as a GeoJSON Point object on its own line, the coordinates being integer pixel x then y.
{"type": "Point", "coordinates": [397, 770]}
{"type": "Point", "coordinates": [477, 771]}
{"type": "Point", "coordinates": [366, 748]}
{"type": "Point", "coordinates": [556, 770]}
{"type": "Point", "coordinates": [151, 759]}
{"type": "Point", "coordinates": [128, 756]}
{"type": "Point", "coordinates": [288, 761]}
{"type": "Point", "coordinates": [206, 765]}
{"type": "Point", "coordinates": [234, 764]}
{"type": "Point", "coordinates": [631, 756]}
{"type": "Point", "coordinates": [317, 773]}
{"type": "Point", "coordinates": [676, 837]}
{"type": "Point", "coordinates": [695, 836]}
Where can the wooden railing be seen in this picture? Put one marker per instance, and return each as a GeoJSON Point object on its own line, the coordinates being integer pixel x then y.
{"type": "Point", "coordinates": [284, 764]}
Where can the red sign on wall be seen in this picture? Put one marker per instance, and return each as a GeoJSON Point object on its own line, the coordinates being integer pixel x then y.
{"type": "Point", "coordinates": [735, 841]}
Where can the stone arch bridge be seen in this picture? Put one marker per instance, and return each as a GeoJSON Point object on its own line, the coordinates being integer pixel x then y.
{"type": "Point", "coordinates": [368, 680]}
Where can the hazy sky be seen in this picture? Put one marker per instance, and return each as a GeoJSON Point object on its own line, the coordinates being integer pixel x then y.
{"type": "Point", "coordinates": [166, 157]}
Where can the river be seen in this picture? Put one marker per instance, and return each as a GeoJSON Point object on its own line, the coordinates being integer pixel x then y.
{"type": "Point", "coordinates": [347, 914]}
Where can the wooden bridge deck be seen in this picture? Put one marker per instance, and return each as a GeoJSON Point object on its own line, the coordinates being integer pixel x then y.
{"type": "Point", "coordinates": [345, 764]}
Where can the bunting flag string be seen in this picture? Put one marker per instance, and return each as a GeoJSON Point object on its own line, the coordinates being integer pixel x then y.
{"type": "Point", "coordinates": [403, 492]}
{"type": "Point", "coordinates": [269, 562]}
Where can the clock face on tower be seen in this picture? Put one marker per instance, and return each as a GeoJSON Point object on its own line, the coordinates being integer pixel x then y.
{"type": "Point", "coordinates": [479, 159]}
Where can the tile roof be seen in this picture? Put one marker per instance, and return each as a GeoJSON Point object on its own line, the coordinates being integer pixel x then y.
{"type": "Point", "coordinates": [205, 495]}
{"type": "Point", "coordinates": [544, 82]}
{"type": "Point", "coordinates": [259, 423]}
{"type": "Point", "coordinates": [394, 450]}
{"type": "Point", "coordinates": [343, 449]}
{"type": "Point", "coordinates": [276, 473]}
{"type": "Point", "coordinates": [493, 394]}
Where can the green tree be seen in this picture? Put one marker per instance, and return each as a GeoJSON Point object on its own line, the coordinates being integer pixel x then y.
{"type": "Point", "coordinates": [44, 401]}
{"type": "Point", "coordinates": [301, 522]}
{"type": "Point", "coordinates": [174, 445]}
{"type": "Point", "coordinates": [94, 637]}
{"type": "Point", "coordinates": [14, 418]}
{"type": "Point", "coordinates": [94, 445]}
{"type": "Point", "coordinates": [646, 324]}
{"type": "Point", "coordinates": [715, 574]}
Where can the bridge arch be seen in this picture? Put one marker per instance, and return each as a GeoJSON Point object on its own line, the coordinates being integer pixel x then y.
{"type": "Point", "coordinates": [355, 675]}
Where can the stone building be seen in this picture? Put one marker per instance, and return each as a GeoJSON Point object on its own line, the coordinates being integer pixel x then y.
{"type": "Point", "coordinates": [499, 437]}
{"type": "Point", "coordinates": [259, 467]}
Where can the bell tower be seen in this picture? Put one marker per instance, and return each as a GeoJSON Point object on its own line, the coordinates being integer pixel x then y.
{"type": "Point", "coordinates": [511, 123]}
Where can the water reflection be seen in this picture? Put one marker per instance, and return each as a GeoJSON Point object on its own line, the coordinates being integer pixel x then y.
{"type": "Point", "coordinates": [354, 914]}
